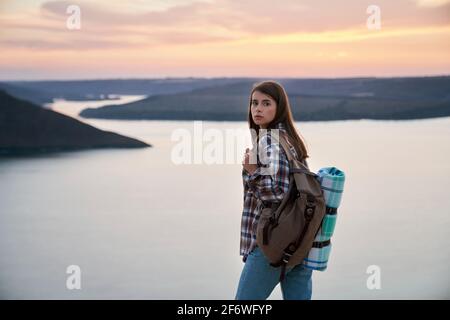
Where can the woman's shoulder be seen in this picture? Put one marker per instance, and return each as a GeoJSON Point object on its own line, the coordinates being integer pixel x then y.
{"type": "Point", "coordinates": [271, 146]}
{"type": "Point", "coordinates": [271, 136]}
{"type": "Point", "coordinates": [270, 139]}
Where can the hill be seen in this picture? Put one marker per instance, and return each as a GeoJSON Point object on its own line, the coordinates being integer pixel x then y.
{"type": "Point", "coordinates": [28, 128]}
{"type": "Point", "coordinates": [311, 100]}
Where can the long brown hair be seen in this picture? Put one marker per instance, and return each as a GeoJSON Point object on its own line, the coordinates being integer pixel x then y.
{"type": "Point", "coordinates": [283, 114]}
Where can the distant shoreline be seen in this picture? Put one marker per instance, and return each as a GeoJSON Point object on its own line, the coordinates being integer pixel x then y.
{"type": "Point", "coordinates": [226, 99]}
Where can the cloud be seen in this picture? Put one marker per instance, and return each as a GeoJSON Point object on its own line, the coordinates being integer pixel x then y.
{"type": "Point", "coordinates": [108, 24]}
{"type": "Point", "coordinates": [431, 3]}
{"type": "Point", "coordinates": [246, 17]}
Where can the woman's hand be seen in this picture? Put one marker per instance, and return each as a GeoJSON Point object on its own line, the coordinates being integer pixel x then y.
{"type": "Point", "coordinates": [249, 167]}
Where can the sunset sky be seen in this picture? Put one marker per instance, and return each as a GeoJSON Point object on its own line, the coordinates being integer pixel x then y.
{"type": "Point", "coordinates": [215, 38]}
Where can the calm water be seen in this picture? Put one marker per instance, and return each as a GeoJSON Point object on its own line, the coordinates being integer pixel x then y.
{"type": "Point", "coordinates": [141, 227]}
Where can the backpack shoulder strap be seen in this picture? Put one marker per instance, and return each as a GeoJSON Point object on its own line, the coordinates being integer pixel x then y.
{"type": "Point", "coordinates": [285, 145]}
{"type": "Point", "coordinates": [287, 150]}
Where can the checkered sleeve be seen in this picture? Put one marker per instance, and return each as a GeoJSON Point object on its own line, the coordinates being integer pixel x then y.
{"type": "Point", "coordinates": [270, 181]}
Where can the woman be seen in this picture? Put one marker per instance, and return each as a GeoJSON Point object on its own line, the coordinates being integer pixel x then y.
{"type": "Point", "coordinates": [268, 109]}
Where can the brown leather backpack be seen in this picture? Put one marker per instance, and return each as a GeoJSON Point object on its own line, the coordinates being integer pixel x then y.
{"type": "Point", "coordinates": [286, 229]}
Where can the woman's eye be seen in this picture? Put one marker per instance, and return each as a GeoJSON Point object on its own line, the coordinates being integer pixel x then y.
{"type": "Point", "coordinates": [267, 104]}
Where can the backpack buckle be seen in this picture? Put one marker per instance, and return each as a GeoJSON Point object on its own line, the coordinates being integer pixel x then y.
{"type": "Point", "coordinates": [309, 213]}
{"type": "Point", "coordinates": [286, 257]}
{"type": "Point", "coordinates": [310, 207]}
{"type": "Point", "coordinates": [270, 204]}
{"type": "Point", "coordinates": [272, 219]}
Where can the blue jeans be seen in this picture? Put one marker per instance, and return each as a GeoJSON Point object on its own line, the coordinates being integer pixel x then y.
{"type": "Point", "coordinates": [259, 278]}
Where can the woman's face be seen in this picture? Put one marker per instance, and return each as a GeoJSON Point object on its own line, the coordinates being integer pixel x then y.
{"type": "Point", "coordinates": [263, 109]}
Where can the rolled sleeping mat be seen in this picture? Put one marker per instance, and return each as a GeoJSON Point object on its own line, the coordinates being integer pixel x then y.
{"type": "Point", "coordinates": [332, 183]}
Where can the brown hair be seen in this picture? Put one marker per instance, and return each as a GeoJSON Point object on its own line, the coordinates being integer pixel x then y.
{"type": "Point", "coordinates": [283, 114]}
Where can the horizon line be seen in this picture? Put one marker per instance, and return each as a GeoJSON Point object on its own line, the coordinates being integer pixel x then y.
{"type": "Point", "coordinates": [226, 77]}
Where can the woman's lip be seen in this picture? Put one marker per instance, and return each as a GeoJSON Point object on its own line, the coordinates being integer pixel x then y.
{"type": "Point", "coordinates": [258, 116]}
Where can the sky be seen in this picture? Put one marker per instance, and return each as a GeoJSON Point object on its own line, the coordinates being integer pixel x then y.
{"type": "Point", "coordinates": [223, 38]}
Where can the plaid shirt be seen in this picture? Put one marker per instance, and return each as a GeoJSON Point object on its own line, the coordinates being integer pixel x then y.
{"type": "Point", "coordinates": [260, 186]}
